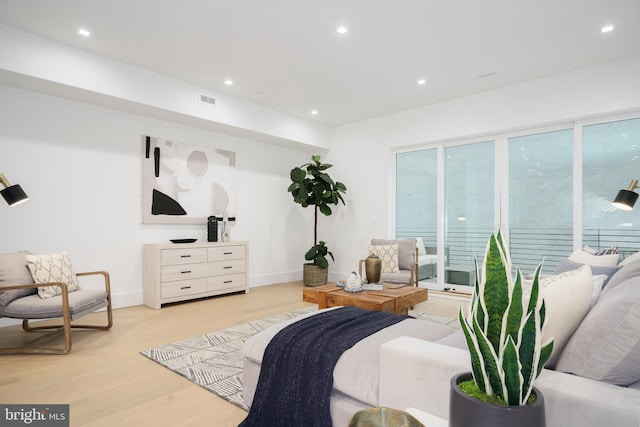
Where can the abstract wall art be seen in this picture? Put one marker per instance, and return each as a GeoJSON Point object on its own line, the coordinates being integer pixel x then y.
{"type": "Point", "coordinates": [185, 183]}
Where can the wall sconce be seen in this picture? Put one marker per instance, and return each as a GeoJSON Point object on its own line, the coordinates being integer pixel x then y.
{"type": "Point", "coordinates": [627, 198]}
{"type": "Point", "coordinates": [13, 194]}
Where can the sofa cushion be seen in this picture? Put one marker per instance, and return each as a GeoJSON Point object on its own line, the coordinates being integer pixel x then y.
{"type": "Point", "coordinates": [567, 297]}
{"type": "Point", "coordinates": [14, 271]}
{"type": "Point", "coordinates": [566, 264]}
{"type": "Point", "coordinates": [606, 346]}
{"type": "Point", "coordinates": [52, 268]}
{"type": "Point", "coordinates": [388, 255]}
{"type": "Point", "coordinates": [626, 273]}
{"type": "Point", "coordinates": [583, 257]}
{"type": "Point", "coordinates": [34, 307]}
{"type": "Point", "coordinates": [635, 257]}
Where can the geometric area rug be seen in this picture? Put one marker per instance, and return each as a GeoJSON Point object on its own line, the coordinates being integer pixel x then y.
{"type": "Point", "coordinates": [214, 360]}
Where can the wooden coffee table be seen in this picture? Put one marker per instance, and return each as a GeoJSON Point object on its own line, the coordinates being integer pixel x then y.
{"type": "Point", "coordinates": [394, 298]}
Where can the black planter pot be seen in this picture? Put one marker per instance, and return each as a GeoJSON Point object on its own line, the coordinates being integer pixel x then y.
{"type": "Point", "coordinates": [465, 411]}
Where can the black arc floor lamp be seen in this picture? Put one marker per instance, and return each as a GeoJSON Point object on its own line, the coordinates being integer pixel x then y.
{"type": "Point", "coordinates": [627, 198]}
{"type": "Point", "coordinates": [13, 194]}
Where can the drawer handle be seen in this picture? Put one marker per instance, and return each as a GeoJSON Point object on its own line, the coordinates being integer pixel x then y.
{"type": "Point", "coordinates": [185, 287]}
{"type": "Point", "coordinates": [185, 256]}
{"type": "Point", "coordinates": [186, 272]}
{"type": "Point", "coordinates": [228, 253]}
{"type": "Point", "coordinates": [227, 267]}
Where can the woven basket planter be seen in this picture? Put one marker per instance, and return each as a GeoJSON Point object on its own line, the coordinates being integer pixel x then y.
{"type": "Point", "coordinates": [312, 275]}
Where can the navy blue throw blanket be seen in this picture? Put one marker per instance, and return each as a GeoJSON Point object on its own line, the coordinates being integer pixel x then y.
{"type": "Point", "coordinates": [296, 377]}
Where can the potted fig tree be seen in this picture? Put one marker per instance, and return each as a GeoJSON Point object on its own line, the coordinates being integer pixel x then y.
{"type": "Point", "coordinates": [503, 332]}
{"type": "Point", "coordinates": [312, 186]}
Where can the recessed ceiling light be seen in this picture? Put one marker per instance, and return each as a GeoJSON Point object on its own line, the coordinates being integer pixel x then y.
{"type": "Point", "coordinates": [422, 82]}
{"type": "Point", "coordinates": [228, 82]}
{"type": "Point", "coordinates": [314, 112]}
{"type": "Point", "coordinates": [342, 30]}
{"type": "Point", "coordinates": [84, 32]}
{"type": "Point", "coordinates": [607, 28]}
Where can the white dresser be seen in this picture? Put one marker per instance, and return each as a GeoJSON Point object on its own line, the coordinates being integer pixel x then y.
{"type": "Point", "coordinates": [184, 271]}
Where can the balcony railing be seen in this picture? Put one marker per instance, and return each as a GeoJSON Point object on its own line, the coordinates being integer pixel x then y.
{"type": "Point", "coordinates": [529, 246]}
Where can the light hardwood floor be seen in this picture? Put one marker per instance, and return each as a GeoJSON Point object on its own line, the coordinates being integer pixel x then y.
{"type": "Point", "coordinates": [107, 382]}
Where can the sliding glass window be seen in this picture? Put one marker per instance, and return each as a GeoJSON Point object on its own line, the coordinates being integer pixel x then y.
{"type": "Point", "coordinates": [550, 190]}
{"type": "Point", "coordinates": [469, 208]}
{"type": "Point", "coordinates": [540, 199]}
{"type": "Point", "coordinates": [610, 160]}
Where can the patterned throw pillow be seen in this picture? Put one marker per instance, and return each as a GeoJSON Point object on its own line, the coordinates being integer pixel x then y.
{"type": "Point", "coordinates": [52, 268]}
{"type": "Point", "coordinates": [388, 255]}
{"type": "Point", "coordinates": [607, 251]}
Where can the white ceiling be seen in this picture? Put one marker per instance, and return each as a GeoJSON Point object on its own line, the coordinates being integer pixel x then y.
{"type": "Point", "coordinates": [286, 54]}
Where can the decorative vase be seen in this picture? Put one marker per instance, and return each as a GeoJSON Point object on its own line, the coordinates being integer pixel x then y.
{"type": "Point", "coordinates": [373, 268]}
{"type": "Point", "coordinates": [312, 275]}
{"type": "Point", "coordinates": [465, 410]}
{"type": "Point", "coordinates": [224, 235]}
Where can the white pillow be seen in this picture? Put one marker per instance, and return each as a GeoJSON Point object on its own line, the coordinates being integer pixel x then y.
{"type": "Point", "coordinates": [567, 297]}
{"type": "Point", "coordinates": [582, 257]}
{"type": "Point", "coordinates": [388, 255]}
{"type": "Point", "coordinates": [630, 259]}
{"type": "Point", "coordinates": [52, 268]}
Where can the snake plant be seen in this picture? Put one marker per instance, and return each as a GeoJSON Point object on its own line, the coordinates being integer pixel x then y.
{"type": "Point", "coordinates": [503, 328]}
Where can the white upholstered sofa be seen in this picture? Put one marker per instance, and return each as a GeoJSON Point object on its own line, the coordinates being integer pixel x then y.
{"type": "Point", "coordinates": [596, 380]}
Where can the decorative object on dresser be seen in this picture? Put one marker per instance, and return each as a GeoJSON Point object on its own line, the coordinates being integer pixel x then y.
{"type": "Point", "coordinates": [194, 270]}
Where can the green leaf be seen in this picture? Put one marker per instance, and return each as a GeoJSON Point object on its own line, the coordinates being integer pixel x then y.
{"type": "Point", "coordinates": [496, 291]}
{"type": "Point", "coordinates": [298, 175]}
{"type": "Point", "coordinates": [321, 262]}
{"type": "Point", "coordinates": [545, 354]}
{"type": "Point", "coordinates": [511, 367]}
{"type": "Point", "coordinates": [476, 362]}
{"type": "Point", "coordinates": [490, 360]}
{"type": "Point", "coordinates": [325, 209]}
{"type": "Point", "coordinates": [515, 312]}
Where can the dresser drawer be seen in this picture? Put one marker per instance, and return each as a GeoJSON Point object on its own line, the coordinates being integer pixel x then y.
{"type": "Point", "coordinates": [184, 287]}
{"type": "Point", "coordinates": [183, 272]}
{"type": "Point", "coordinates": [226, 282]}
{"type": "Point", "coordinates": [226, 267]}
{"type": "Point", "coordinates": [184, 256]}
{"type": "Point", "coordinates": [229, 252]}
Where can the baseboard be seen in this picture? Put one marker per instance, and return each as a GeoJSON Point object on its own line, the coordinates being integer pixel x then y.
{"type": "Point", "coordinates": [450, 294]}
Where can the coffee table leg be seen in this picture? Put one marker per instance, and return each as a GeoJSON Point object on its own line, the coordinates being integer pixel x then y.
{"type": "Point", "coordinates": [322, 300]}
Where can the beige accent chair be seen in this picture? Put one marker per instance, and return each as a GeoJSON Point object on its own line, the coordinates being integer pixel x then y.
{"type": "Point", "coordinates": [407, 256]}
{"type": "Point", "coordinates": [21, 301]}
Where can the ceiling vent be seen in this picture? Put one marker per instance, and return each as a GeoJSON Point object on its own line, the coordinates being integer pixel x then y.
{"type": "Point", "coordinates": [207, 99]}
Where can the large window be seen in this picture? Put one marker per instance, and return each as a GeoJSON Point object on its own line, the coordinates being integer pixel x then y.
{"type": "Point", "coordinates": [540, 199]}
{"type": "Point", "coordinates": [416, 186]}
{"type": "Point", "coordinates": [551, 191]}
{"type": "Point", "coordinates": [610, 160]}
{"type": "Point", "coordinates": [469, 205]}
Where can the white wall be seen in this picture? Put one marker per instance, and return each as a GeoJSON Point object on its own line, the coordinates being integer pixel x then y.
{"type": "Point", "coordinates": [81, 165]}
{"type": "Point", "coordinates": [363, 151]}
